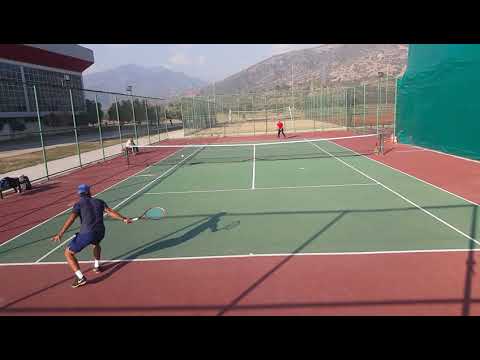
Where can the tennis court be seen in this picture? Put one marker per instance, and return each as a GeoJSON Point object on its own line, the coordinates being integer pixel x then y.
{"type": "Point", "coordinates": [329, 202]}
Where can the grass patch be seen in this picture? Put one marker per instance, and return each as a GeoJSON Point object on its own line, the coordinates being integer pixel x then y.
{"type": "Point", "coordinates": [21, 161]}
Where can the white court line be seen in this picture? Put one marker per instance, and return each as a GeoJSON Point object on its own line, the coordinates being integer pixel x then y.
{"type": "Point", "coordinates": [446, 154]}
{"type": "Point", "coordinates": [266, 188]}
{"type": "Point", "coordinates": [213, 257]}
{"type": "Point", "coordinates": [399, 195]}
{"type": "Point", "coordinates": [64, 211]}
{"type": "Point", "coordinates": [123, 201]}
{"type": "Point", "coordinates": [412, 176]}
{"type": "Point", "coordinates": [145, 175]}
{"type": "Point", "coordinates": [407, 151]}
{"type": "Point", "coordinates": [253, 174]}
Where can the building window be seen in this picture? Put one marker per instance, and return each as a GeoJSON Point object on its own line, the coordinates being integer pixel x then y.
{"type": "Point", "coordinates": [52, 95]}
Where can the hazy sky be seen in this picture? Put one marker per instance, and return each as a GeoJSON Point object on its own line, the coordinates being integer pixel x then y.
{"type": "Point", "coordinates": [209, 62]}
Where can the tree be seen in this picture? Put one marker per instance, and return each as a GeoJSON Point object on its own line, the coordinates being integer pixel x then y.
{"type": "Point", "coordinates": [89, 116]}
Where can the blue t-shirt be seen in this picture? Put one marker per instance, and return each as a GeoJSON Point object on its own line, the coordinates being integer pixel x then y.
{"type": "Point", "coordinates": [91, 212]}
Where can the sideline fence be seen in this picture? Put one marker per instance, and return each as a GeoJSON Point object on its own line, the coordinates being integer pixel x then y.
{"type": "Point", "coordinates": [41, 124]}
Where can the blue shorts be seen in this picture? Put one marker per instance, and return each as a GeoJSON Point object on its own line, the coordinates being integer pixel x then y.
{"type": "Point", "coordinates": [80, 241]}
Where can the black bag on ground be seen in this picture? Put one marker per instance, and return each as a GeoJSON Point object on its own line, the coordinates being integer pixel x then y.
{"type": "Point", "coordinates": [25, 183]}
{"type": "Point", "coordinates": [4, 184]}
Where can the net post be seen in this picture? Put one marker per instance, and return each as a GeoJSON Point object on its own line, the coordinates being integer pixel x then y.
{"type": "Point", "coordinates": [75, 128]}
{"type": "Point", "coordinates": [381, 141]}
{"type": "Point", "coordinates": [40, 131]}
{"type": "Point", "coordinates": [100, 127]}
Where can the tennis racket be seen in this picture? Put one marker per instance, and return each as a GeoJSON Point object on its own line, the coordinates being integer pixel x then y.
{"type": "Point", "coordinates": [154, 213]}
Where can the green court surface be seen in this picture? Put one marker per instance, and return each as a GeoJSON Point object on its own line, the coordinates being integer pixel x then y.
{"type": "Point", "coordinates": [221, 202]}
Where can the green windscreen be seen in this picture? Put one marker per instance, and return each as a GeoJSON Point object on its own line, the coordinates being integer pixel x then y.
{"type": "Point", "coordinates": [438, 103]}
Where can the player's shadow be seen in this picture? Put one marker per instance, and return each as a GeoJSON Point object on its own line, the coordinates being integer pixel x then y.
{"type": "Point", "coordinates": [210, 223]}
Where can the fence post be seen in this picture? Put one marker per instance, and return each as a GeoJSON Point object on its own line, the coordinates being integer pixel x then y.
{"type": "Point", "coordinates": [134, 120]}
{"type": "Point", "coordinates": [209, 119]}
{"type": "Point", "coordinates": [323, 106]}
{"type": "Point", "coordinates": [395, 112]}
{"type": "Point", "coordinates": [165, 115]}
{"type": "Point", "coordinates": [99, 127]}
{"type": "Point", "coordinates": [253, 113]}
{"type": "Point", "coordinates": [118, 122]}
{"type": "Point", "coordinates": [181, 115]}
{"type": "Point", "coordinates": [40, 130]}
{"type": "Point", "coordinates": [148, 121]}
{"type": "Point", "coordinates": [158, 122]}
{"type": "Point", "coordinates": [378, 101]}
{"type": "Point", "coordinates": [354, 123]}
{"type": "Point", "coordinates": [332, 92]}
{"type": "Point", "coordinates": [266, 115]}
{"type": "Point", "coordinates": [75, 128]}
{"type": "Point", "coordinates": [364, 104]}
{"type": "Point", "coordinates": [193, 113]}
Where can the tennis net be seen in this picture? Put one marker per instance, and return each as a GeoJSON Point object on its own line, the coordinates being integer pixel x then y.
{"type": "Point", "coordinates": [194, 154]}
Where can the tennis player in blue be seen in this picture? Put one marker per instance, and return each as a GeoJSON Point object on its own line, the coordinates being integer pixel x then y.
{"type": "Point", "coordinates": [92, 230]}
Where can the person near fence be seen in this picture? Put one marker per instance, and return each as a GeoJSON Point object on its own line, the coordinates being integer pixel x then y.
{"type": "Point", "coordinates": [280, 126]}
{"type": "Point", "coordinates": [92, 230]}
{"type": "Point", "coordinates": [130, 146]}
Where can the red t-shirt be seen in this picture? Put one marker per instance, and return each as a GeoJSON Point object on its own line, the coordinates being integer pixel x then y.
{"type": "Point", "coordinates": [280, 124]}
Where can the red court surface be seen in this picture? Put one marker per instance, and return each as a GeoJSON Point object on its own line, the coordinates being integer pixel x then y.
{"type": "Point", "coordinates": [442, 283]}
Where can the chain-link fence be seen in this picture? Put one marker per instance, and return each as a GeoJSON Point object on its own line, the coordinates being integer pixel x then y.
{"type": "Point", "coordinates": [365, 107]}
{"type": "Point", "coordinates": [47, 129]}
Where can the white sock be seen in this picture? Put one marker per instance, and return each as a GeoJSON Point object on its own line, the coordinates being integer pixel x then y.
{"type": "Point", "coordinates": [97, 263]}
{"type": "Point", "coordinates": [79, 274]}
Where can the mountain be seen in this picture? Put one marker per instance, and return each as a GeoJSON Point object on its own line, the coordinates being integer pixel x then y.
{"type": "Point", "coordinates": [155, 81]}
{"type": "Point", "coordinates": [331, 64]}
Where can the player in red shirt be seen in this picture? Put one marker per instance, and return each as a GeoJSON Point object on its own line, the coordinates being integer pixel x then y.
{"type": "Point", "coordinates": [280, 127]}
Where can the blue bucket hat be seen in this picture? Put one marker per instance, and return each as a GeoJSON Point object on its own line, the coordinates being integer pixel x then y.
{"type": "Point", "coordinates": [83, 189]}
